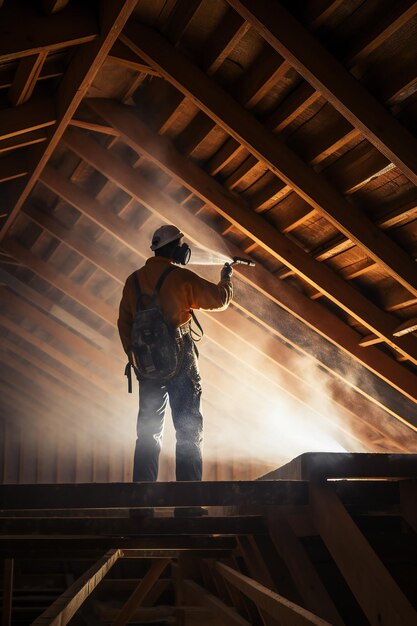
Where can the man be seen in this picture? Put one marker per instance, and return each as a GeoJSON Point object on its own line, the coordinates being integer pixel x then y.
{"type": "Point", "coordinates": [180, 293]}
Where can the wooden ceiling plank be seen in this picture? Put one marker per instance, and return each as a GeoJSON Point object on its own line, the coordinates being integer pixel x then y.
{"type": "Point", "coordinates": [269, 148]}
{"type": "Point", "coordinates": [60, 281]}
{"type": "Point", "coordinates": [37, 33]}
{"type": "Point", "coordinates": [54, 182]}
{"type": "Point", "coordinates": [33, 115]}
{"type": "Point", "coordinates": [295, 43]}
{"type": "Point", "coordinates": [27, 74]}
{"type": "Point", "coordinates": [181, 17]}
{"type": "Point", "coordinates": [77, 79]}
{"type": "Point", "coordinates": [135, 134]}
{"type": "Point", "coordinates": [375, 590]}
{"type": "Point", "coordinates": [304, 95]}
{"type": "Point", "coordinates": [65, 607]}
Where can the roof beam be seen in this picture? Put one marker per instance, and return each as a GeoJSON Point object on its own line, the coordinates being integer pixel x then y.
{"type": "Point", "coordinates": [24, 31]}
{"type": "Point", "coordinates": [296, 44]}
{"type": "Point", "coordinates": [72, 88]}
{"type": "Point", "coordinates": [137, 135]}
{"type": "Point", "coordinates": [313, 188]}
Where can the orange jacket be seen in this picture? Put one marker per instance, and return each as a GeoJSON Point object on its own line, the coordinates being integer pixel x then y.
{"type": "Point", "coordinates": [181, 291]}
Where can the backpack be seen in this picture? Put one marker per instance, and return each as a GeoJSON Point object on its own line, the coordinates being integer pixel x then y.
{"type": "Point", "coordinates": [156, 353]}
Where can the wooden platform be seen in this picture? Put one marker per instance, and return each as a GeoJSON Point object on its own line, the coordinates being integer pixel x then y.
{"type": "Point", "coordinates": [306, 544]}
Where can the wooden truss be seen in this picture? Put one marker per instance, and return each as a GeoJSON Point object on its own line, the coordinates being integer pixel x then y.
{"type": "Point", "coordinates": [303, 549]}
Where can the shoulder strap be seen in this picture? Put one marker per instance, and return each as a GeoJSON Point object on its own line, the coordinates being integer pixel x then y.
{"type": "Point", "coordinates": [157, 289]}
{"type": "Point", "coordinates": [194, 334]}
{"type": "Point", "coordinates": [160, 282]}
{"type": "Point", "coordinates": [138, 292]}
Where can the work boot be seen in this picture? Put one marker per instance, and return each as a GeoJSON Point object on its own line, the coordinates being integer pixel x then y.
{"type": "Point", "coordinates": [190, 511]}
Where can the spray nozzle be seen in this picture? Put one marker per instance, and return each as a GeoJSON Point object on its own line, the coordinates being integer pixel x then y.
{"type": "Point", "coordinates": [237, 260]}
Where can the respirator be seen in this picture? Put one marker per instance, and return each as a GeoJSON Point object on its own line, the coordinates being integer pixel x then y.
{"type": "Point", "coordinates": [181, 254]}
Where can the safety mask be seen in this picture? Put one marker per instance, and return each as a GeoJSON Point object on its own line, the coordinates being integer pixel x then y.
{"type": "Point", "coordinates": [182, 254]}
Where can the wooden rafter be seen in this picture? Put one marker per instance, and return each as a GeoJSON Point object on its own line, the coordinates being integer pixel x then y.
{"type": "Point", "coordinates": [216, 103]}
{"type": "Point", "coordinates": [73, 87]}
{"type": "Point", "coordinates": [137, 136]}
{"type": "Point", "coordinates": [290, 39]}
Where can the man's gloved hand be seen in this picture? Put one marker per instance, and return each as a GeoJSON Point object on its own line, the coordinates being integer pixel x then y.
{"type": "Point", "coordinates": [227, 271]}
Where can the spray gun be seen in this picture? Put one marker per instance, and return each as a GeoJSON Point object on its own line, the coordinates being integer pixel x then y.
{"type": "Point", "coordinates": [237, 260]}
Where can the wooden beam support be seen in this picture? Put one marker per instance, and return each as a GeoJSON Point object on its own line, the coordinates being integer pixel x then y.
{"type": "Point", "coordinates": [290, 39]}
{"type": "Point", "coordinates": [124, 526]}
{"type": "Point", "coordinates": [226, 614]}
{"type": "Point", "coordinates": [135, 134]}
{"type": "Point", "coordinates": [272, 603]}
{"type": "Point", "coordinates": [77, 79]}
{"type": "Point", "coordinates": [65, 607]}
{"type": "Point", "coordinates": [122, 55]}
{"type": "Point", "coordinates": [138, 495]}
{"type": "Point", "coordinates": [27, 74]}
{"type": "Point", "coordinates": [313, 188]}
{"type": "Point", "coordinates": [139, 594]}
{"type": "Point", "coordinates": [375, 590]}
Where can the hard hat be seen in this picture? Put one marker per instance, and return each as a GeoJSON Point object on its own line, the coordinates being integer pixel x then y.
{"type": "Point", "coordinates": [165, 234]}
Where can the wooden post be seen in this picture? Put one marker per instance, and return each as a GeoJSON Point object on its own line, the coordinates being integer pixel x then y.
{"type": "Point", "coordinates": [7, 592]}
